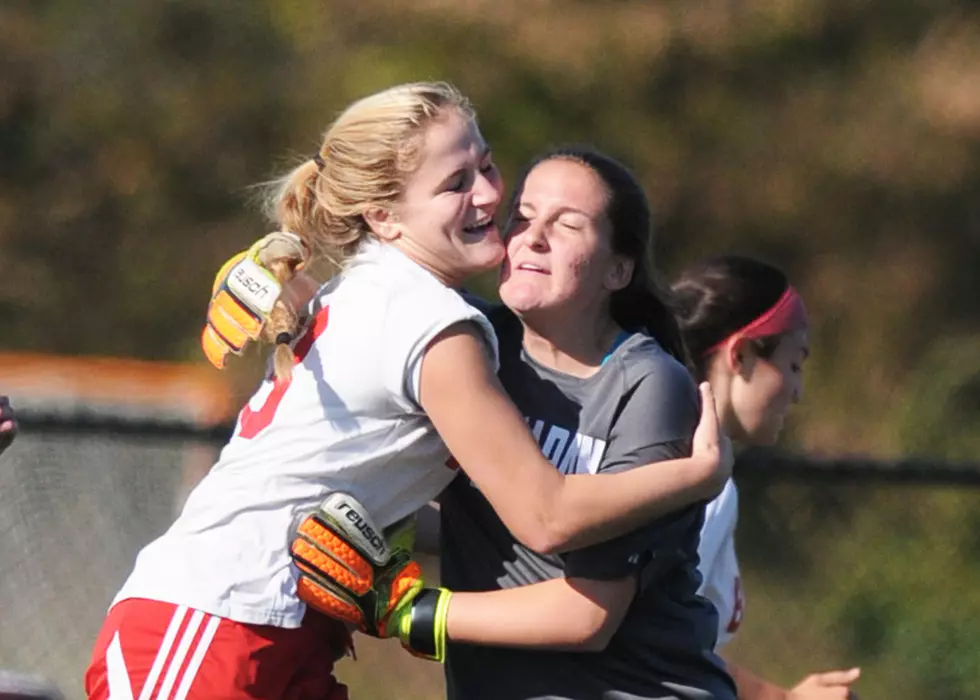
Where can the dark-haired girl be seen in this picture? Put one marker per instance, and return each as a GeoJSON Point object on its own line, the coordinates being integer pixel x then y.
{"type": "Point", "coordinates": [746, 330]}
{"type": "Point", "coordinates": [591, 356]}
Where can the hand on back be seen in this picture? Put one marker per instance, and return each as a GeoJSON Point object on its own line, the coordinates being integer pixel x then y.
{"type": "Point", "coordinates": [711, 446]}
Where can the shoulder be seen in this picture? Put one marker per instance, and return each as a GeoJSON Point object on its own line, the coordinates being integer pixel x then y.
{"type": "Point", "coordinates": [383, 292]}
{"type": "Point", "coordinates": [659, 401]}
{"type": "Point", "coordinates": [427, 312]}
{"type": "Point", "coordinates": [652, 372]}
{"type": "Point", "coordinates": [405, 291]}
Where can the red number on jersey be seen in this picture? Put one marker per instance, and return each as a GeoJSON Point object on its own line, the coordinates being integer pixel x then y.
{"type": "Point", "coordinates": [738, 609]}
{"type": "Point", "coordinates": [250, 422]}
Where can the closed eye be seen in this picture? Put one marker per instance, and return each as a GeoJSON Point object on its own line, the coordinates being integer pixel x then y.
{"type": "Point", "coordinates": [456, 182]}
{"type": "Point", "coordinates": [487, 164]}
{"type": "Point", "coordinates": [522, 212]}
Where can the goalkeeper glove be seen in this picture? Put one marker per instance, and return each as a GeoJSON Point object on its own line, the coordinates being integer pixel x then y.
{"type": "Point", "coordinates": [349, 571]}
{"type": "Point", "coordinates": [244, 293]}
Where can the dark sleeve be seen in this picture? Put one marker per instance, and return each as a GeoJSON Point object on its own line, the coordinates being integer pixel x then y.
{"type": "Point", "coordinates": [656, 422]}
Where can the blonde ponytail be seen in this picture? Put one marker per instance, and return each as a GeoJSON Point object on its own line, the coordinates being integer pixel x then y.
{"type": "Point", "coordinates": [293, 204]}
{"type": "Point", "coordinates": [282, 325]}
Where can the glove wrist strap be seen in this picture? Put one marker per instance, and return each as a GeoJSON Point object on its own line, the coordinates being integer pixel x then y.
{"type": "Point", "coordinates": [427, 634]}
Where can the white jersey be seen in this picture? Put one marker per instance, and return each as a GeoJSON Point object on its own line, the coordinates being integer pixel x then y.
{"type": "Point", "coordinates": [349, 419]}
{"type": "Point", "coordinates": [722, 584]}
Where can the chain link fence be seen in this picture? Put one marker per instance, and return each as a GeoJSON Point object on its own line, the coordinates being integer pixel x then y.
{"type": "Point", "coordinates": [846, 562]}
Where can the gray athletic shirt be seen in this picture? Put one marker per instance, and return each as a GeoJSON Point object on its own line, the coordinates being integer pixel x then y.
{"type": "Point", "coordinates": [640, 407]}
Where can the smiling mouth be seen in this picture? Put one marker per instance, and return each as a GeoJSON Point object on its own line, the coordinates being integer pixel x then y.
{"type": "Point", "coordinates": [530, 267]}
{"type": "Point", "coordinates": [481, 226]}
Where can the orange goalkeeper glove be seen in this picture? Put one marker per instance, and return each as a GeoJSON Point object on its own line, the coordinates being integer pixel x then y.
{"type": "Point", "coordinates": [349, 571]}
{"type": "Point", "coordinates": [244, 293]}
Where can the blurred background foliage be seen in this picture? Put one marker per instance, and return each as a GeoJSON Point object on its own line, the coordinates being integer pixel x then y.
{"type": "Point", "coordinates": [837, 138]}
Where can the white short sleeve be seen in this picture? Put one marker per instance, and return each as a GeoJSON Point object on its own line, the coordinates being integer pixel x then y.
{"type": "Point", "coordinates": [415, 320]}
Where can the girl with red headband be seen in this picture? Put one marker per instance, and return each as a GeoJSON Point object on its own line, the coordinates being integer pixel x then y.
{"type": "Point", "coordinates": [747, 333]}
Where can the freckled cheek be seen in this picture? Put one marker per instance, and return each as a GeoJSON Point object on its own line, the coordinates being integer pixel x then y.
{"type": "Point", "coordinates": [583, 273]}
{"type": "Point", "coordinates": [577, 266]}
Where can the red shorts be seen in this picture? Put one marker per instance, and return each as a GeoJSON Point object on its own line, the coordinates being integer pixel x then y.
{"type": "Point", "coordinates": [147, 649]}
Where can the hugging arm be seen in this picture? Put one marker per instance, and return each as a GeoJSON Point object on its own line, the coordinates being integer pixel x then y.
{"type": "Point", "coordinates": [571, 614]}
{"type": "Point", "coordinates": [550, 512]}
{"type": "Point", "coordinates": [487, 435]}
{"type": "Point", "coordinates": [582, 610]}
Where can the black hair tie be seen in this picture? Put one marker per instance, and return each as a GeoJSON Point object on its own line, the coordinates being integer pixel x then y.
{"type": "Point", "coordinates": [284, 338]}
{"type": "Point", "coordinates": [318, 159]}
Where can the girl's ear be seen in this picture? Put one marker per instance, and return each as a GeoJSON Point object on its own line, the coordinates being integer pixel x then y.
{"type": "Point", "coordinates": [619, 274]}
{"type": "Point", "coordinates": [382, 223]}
{"type": "Point", "coordinates": [740, 354]}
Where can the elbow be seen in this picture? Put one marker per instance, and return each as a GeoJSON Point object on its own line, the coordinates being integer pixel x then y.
{"type": "Point", "coordinates": [603, 606]}
{"type": "Point", "coordinates": [596, 642]}
{"type": "Point", "coordinates": [551, 535]}
{"type": "Point", "coordinates": [543, 529]}
{"type": "Point", "coordinates": [542, 539]}
{"type": "Point", "coordinates": [595, 634]}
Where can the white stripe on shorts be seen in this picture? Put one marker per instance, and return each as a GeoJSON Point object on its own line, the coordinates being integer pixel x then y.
{"type": "Point", "coordinates": [163, 652]}
{"type": "Point", "coordinates": [173, 668]}
{"type": "Point", "coordinates": [202, 647]}
{"type": "Point", "coordinates": [117, 675]}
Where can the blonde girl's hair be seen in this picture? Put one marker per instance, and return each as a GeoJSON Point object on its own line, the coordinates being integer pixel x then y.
{"type": "Point", "coordinates": [363, 163]}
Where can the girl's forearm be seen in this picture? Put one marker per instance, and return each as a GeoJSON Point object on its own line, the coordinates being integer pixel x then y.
{"type": "Point", "coordinates": [587, 513]}
{"type": "Point", "coordinates": [560, 614]}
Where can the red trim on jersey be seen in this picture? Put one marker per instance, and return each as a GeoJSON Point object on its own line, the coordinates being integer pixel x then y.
{"type": "Point", "coordinates": [314, 331]}
{"type": "Point", "coordinates": [738, 609]}
{"type": "Point", "coordinates": [252, 422]}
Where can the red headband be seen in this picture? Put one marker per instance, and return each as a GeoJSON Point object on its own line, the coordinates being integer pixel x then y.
{"type": "Point", "coordinates": [787, 314]}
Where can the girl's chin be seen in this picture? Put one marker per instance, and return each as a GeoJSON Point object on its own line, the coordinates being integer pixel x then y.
{"type": "Point", "coordinates": [495, 253]}
{"type": "Point", "coordinates": [519, 298]}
